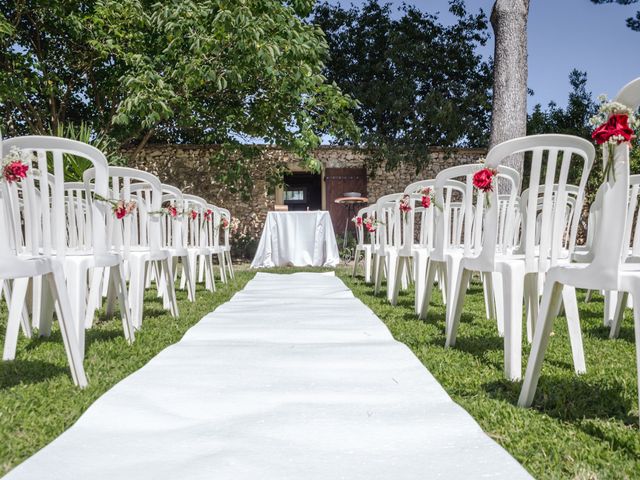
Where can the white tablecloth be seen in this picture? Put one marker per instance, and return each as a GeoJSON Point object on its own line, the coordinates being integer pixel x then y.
{"type": "Point", "coordinates": [299, 239]}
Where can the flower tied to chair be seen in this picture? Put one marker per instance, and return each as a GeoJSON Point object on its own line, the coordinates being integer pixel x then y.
{"type": "Point", "coordinates": [483, 181]}
{"type": "Point", "coordinates": [428, 198]}
{"type": "Point", "coordinates": [224, 222]}
{"type": "Point", "coordinates": [171, 210]}
{"type": "Point", "coordinates": [614, 124]}
{"type": "Point", "coordinates": [405, 205]}
{"type": "Point", "coordinates": [193, 214]}
{"type": "Point", "coordinates": [208, 214]}
{"type": "Point", "coordinates": [370, 224]}
{"type": "Point", "coordinates": [120, 208]}
{"type": "Point", "coordinates": [14, 165]}
{"type": "Point", "coordinates": [357, 220]}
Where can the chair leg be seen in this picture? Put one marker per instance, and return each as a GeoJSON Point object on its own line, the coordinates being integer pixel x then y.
{"type": "Point", "coordinates": [229, 262]}
{"type": "Point", "coordinates": [432, 267]}
{"type": "Point", "coordinates": [636, 324]}
{"type": "Point", "coordinates": [191, 288]}
{"type": "Point", "coordinates": [136, 293]}
{"type": "Point", "coordinates": [94, 298]}
{"type": "Point", "coordinates": [551, 299]}
{"type": "Point", "coordinates": [356, 255]}
{"type": "Point", "coordinates": [487, 290]}
{"type": "Point", "coordinates": [610, 302]}
{"type": "Point", "coordinates": [77, 289]}
{"type": "Point", "coordinates": [498, 298]}
{"type": "Point", "coordinates": [67, 327]}
{"type": "Point", "coordinates": [619, 315]}
{"type": "Point", "coordinates": [513, 288]}
{"type": "Point", "coordinates": [573, 325]}
{"type": "Point", "coordinates": [47, 307]}
{"type": "Point", "coordinates": [420, 269]}
{"type": "Point", "coordinates": [379, 267]}
{"type": "Point", "coordinates": [120, 286]}
{"type": "Point", "coordinates": [454, 308]}
{"type": "Point", "coordinates": [589, 296]}
{"type": "Point", "coordinates": [170, 288]}
{"type": "Point", "coordinates": [531, 301]}
{"type": "Point", "coordinates": [16, 307]}
{"type": "Point", "coordinates": [399, 271]}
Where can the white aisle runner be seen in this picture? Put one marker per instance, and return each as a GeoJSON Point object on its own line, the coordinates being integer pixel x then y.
{"type": "Point", "coordinates": [294, 378]}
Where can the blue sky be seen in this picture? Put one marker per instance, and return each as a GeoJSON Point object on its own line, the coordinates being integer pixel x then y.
{"type": "Point", "coordinates": [566, 34]}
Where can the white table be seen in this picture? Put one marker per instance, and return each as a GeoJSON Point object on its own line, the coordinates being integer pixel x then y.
{"type": "Point", "coordinates": [297, 239]}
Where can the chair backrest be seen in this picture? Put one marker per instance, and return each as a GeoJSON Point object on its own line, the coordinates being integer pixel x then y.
{"type": "Point", "coordinates": [226, 231]}
{"type": "Point", "coordinates": [199, 234]}
{"type": "Point", "coordinates": [611, 238]}
{"type": "Point", "coordinates": [418, 227]}
{"type": "Point", "coordinates": [387, 216]}
{"type": "Point", "coordinates": [41, 203]}
{"type": "Point", "coordinates": [142, 228]}
{"type": "Point", "coordinates": [460, 216]}
{"type": "Point", "coordinates": [174, 228]}
{"type": "Point", "coordinates": [551, 158]}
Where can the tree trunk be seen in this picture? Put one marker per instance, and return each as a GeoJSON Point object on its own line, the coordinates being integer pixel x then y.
{"type": "Point", "coordinates": [509, 114]}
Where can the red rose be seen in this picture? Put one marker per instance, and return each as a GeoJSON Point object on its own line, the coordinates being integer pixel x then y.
{"type": "Point", "coordinates": [370, 227]}
{"type": "Point", "coordinates": [426, 201]}
{"type": "Point", "coordinates": [15, 171]}
{"type": "Point", "coordinates": [483, 179]}
{"type": "Point", "coordinates": [120, 210]}
{"type": "Point", "coordinates": [173, 211]}
{"type": "Point", "coordinates": [194, 214]}
{"type": "Point", "coordinates": [617, 125]}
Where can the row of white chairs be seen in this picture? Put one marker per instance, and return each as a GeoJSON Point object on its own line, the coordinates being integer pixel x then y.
{"type": "Point", "coordinates": [68, 233]}
{"type": "Point", "coordinates": [522, 243]}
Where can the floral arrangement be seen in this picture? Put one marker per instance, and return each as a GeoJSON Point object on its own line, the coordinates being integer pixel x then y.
{"type": "Point", "coordinates": [483, 181]}
{"type": "Point", "coordinates": [369, 224]}
{"type": "Point", "coordinates": [171, 210]}
{"type": "Point", "coordinates": [357, 220]}
{"type": "Point", "coordinates": [120, 208]}
{"type": "Point", "coordinates": [405, 204]}
{"type": "Point", "coordinates": [208, 214]}
{"type": "Point", "coordinates": [193, 214]}
{"type": "Point", "coordinates": [614, 124]}
{"type": "Point", "coordinates": [224, 222]}
{"type": "Point", "coordinates": [14, 165]}
{"type": "Point", "coordinates": [428, 198]}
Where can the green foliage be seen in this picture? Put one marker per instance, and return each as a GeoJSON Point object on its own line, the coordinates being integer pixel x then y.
{"type": "Point", "coordinates": [418, 81]}
{"type": "Point", "coordinates": [207, 71]}
{"type": "Point", "coordinates": [75, 166]}
{"type": "Point", "coordinates": [632, 22]}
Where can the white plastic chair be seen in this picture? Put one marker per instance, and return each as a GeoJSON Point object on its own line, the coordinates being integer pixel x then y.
{"type": "Point", "coordinates": [174, 229]}
{"type": "Point", "coordinates": [540, 251]}
{"type": "Point", "coordinates": [48, 214]}
{"type": "Point", "coordinates": [364, 248]}
{"type": "Point", "coordinates": [138, 236]}
{"type": "Point", "coordinates": [198, 241]}
{"type": "Point", "coordinates": [606, 271]}
{"type": "Point", "coordinates": [387, 241]}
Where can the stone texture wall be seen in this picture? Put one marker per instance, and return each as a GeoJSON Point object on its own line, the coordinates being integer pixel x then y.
{"type": "Point", "coordinates": [188, 168]}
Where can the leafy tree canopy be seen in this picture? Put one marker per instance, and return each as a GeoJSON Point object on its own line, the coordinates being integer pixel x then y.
{"type": "Point", "coordinates": [215, 71]}
{"type": "Point", "coordinates": [419, 82]}
{"type": "Point", "coordinates": [632, 22]}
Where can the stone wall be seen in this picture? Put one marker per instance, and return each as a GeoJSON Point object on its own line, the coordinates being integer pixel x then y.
{"type": "Point", "coordinates": [188, 168]}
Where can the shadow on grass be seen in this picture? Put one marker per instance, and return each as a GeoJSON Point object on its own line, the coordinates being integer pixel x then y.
{"type": "Point", "coordinates": [571, 398]}
{"type": "Point", "coordinates": [19, 371]}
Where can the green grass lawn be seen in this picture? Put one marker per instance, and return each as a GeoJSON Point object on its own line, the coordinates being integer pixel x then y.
{"type": "Point", "coordinates": [580, 427]}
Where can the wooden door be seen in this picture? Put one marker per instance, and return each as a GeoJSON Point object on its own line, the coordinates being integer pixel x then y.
{"type": "Point", "coordinates": [338, 182]}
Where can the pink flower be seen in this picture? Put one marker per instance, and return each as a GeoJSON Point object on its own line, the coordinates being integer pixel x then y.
{"type": "Point", "coordinates": [207, 214]}
{"type": "Point", "coordinates": [194, 214]}
{"type": "Point", "coordinates": [120, 210]}
{"type": "Point", "coordinates": [173, 211]}
{"type": "Point", "coordinates": [405, 205]}
{"type": "Point", "coordinates": [15, 171]}
{"type": "Point", "coordinates": [426, 201]}
{"type": "Point", "coordinates": [357, 221]}
{"type": "Point", "coordinates": [225, 223]}
{"type": "Point", "coordinates": [130, 207]}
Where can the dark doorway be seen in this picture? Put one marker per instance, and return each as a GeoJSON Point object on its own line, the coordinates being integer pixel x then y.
{"type": "Point", "coordinates": [303, 191]}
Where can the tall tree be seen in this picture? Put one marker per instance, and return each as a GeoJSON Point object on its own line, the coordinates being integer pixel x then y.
{"type": "Point", "coordinates": [189, 71]}
{"type": "Point", "coordinates": [510, 71]}
{"type": "Point", "coordinates": [418, 82]}
{"type": "Point", "coordinates": [632, 22]}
